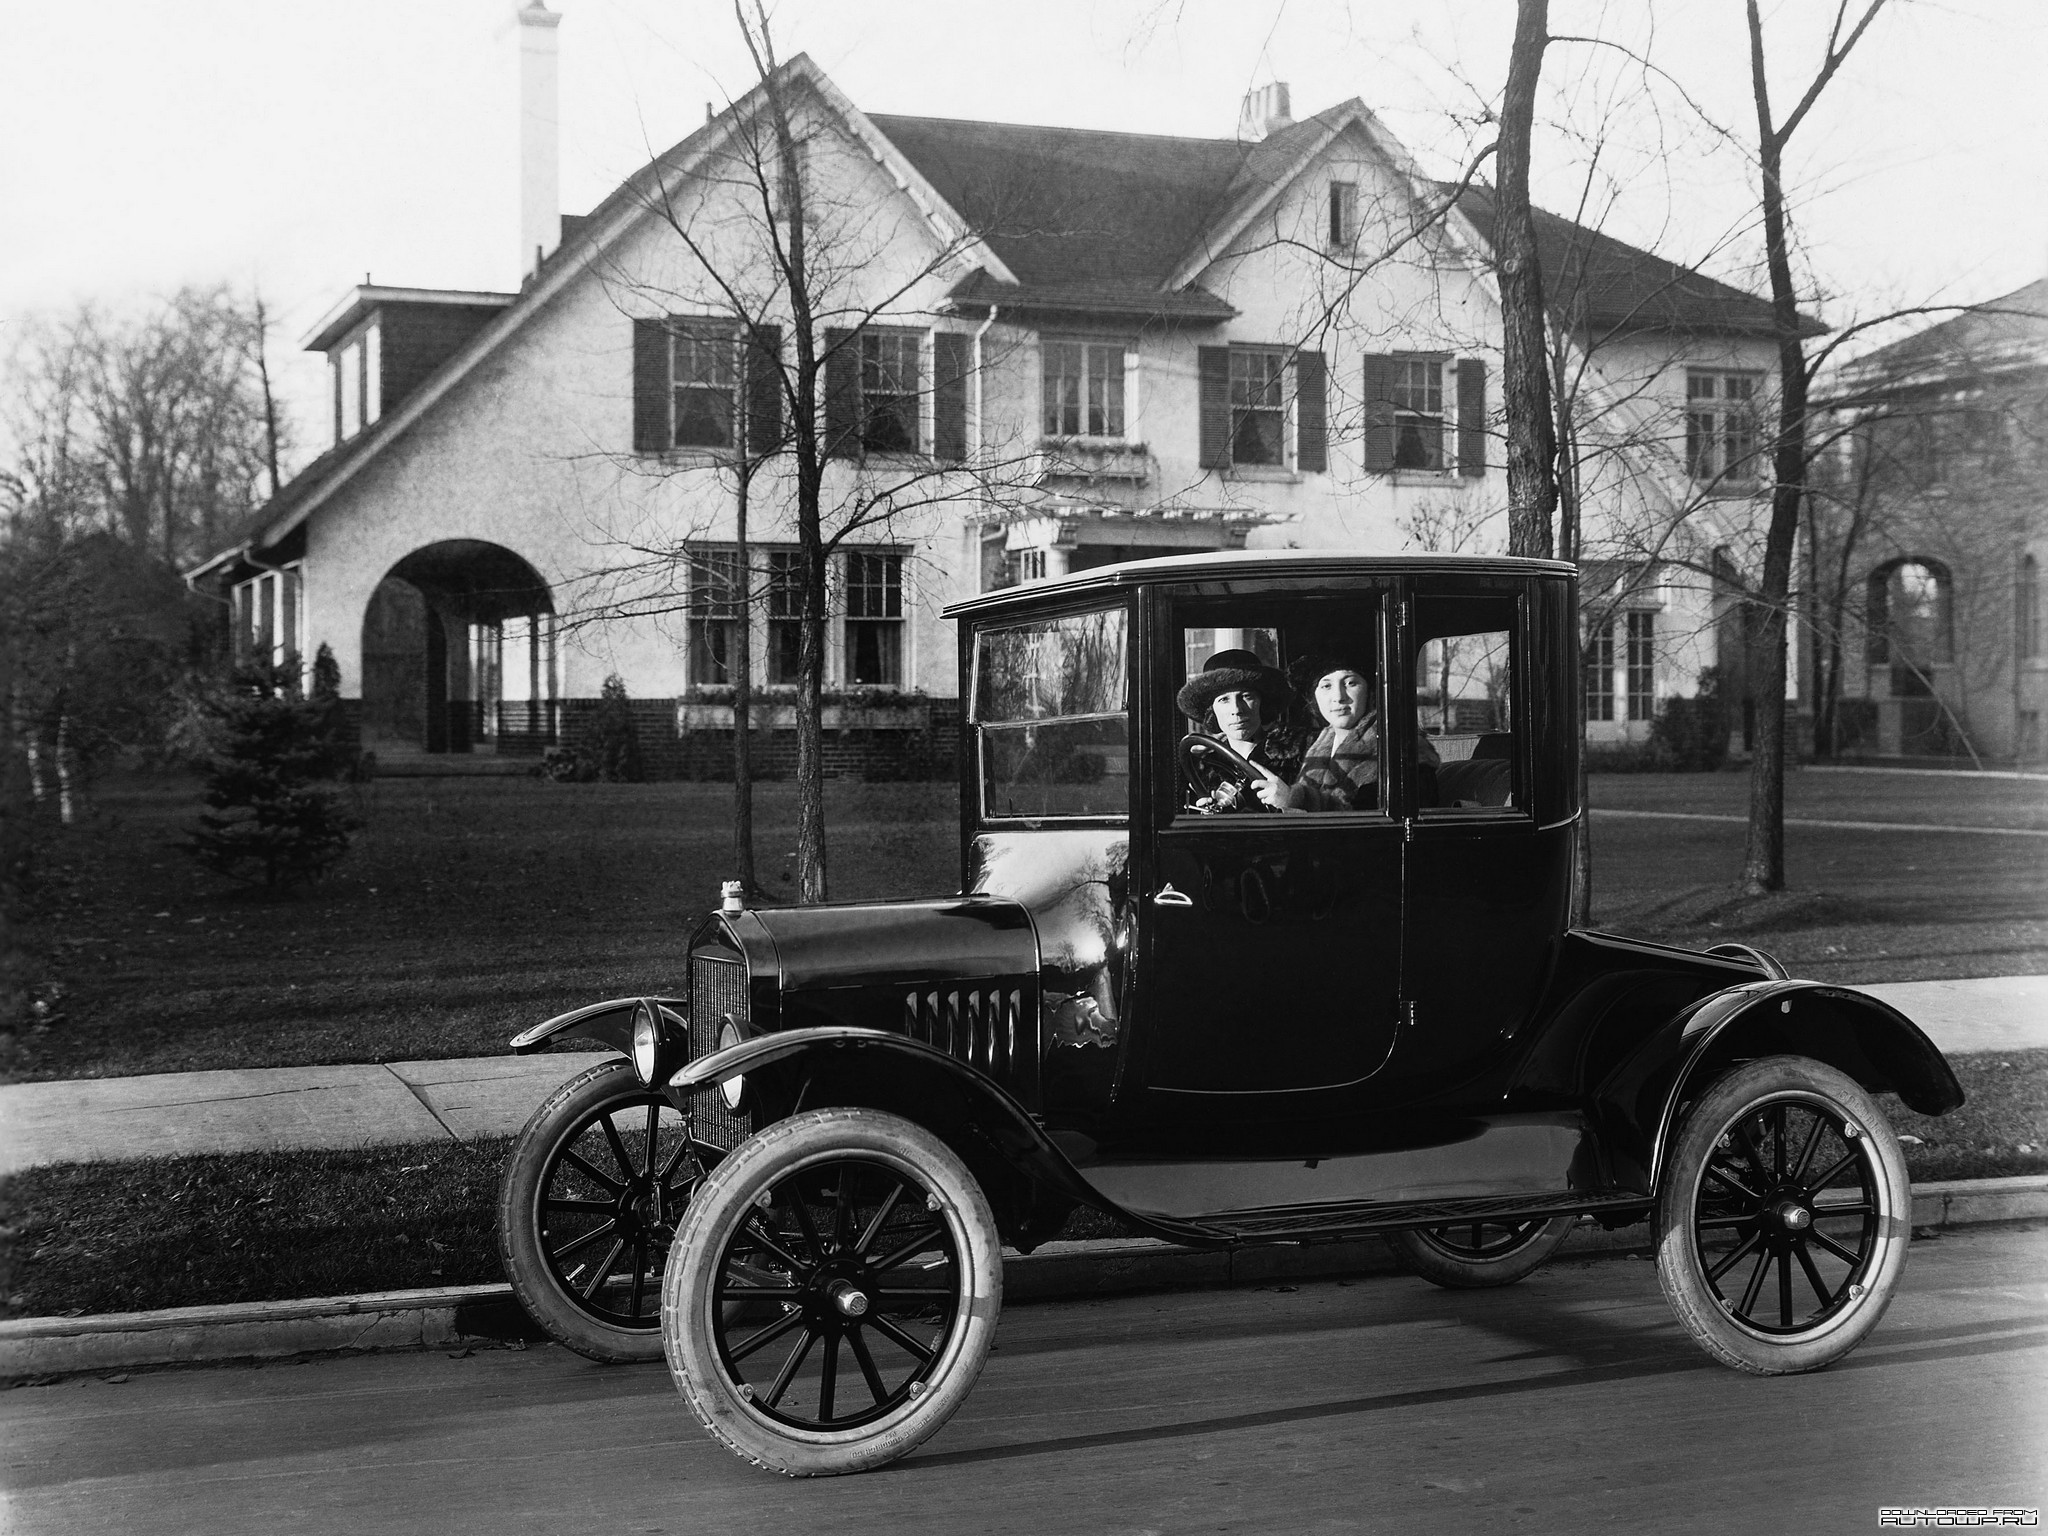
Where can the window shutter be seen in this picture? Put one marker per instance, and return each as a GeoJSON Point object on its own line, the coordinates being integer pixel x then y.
{"type": "Point", "coordinates": [1471, 416]}
{"type": "Point", "coordinates": [764, 390]}
{"type": "Point", "coordinates": [1311, 413]}
{"type": "Point", "coordinates": [650, 386]}
{"type": "Point", "coordinates": [1213, 372]}
{"type": "Point", "coordinates": [1379, 412]}
{"type": "Point", "coordinates": [842, 394]}
{"type": "Point", "coordinates": [950, 367]}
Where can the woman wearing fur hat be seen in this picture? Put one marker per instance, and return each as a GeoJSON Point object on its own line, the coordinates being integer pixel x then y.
{"type": "Point", "coordinates": [1240, 698]}
{"type": "Point", "coordinates": [1342, 769]}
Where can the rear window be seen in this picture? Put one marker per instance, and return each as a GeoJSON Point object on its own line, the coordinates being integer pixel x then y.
{"type": "Point", "coordinates": [1051, 717]}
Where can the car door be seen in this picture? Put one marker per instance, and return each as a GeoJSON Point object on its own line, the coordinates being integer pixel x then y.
{"type": "Point", "coordinates": [1486, 885]}
{"type": "Point", "coordinates": [1271, 943]}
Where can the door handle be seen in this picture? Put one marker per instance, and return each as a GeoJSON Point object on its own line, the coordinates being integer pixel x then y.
{"type": "Point", "coordinates": [1168, 897]}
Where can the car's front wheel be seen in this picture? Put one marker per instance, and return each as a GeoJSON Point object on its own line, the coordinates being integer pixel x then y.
{"type": "Point", "coordinates": [1784, 1217]}
{"type": "Point", "coordinates": [1476, 1254]}
{"type": "Point", "coordinates": [835, 1293]}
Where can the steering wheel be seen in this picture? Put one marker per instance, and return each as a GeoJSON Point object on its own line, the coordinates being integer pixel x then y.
{"type": "Point", "coordinates": [1210, 764]}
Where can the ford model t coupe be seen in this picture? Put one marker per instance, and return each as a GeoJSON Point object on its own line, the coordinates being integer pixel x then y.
{"type": "Point", "coordinates": [1230, 984]}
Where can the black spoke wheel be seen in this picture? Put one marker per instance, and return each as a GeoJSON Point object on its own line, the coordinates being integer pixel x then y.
{"type": "Point", "coordinates": [594, 1190]}
{"type": "Point", "coordinates": [836, 1294]}
{"type": "Point", "coordinates": [1783, 1217]}
{"type": "Point", "coordinates": [1475, 1254]}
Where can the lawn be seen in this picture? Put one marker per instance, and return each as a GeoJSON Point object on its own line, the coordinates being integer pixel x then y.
{"type": "Point", "coordinates": [471, 907]}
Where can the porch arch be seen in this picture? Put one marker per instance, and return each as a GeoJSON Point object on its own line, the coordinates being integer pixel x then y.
{"type": "Point", "coordinates": [459, 653]}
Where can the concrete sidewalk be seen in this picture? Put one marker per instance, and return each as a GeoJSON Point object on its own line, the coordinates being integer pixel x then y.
{"type": "Point", "coordinates": [112, 1118]}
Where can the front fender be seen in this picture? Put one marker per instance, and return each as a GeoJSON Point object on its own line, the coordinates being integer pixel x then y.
{"type": "Point", "coordinates": [609, 1023]}
{"type": "Point", "coordinates": [843, 1064]}
{"type": "Point", "coordinates": [1871, 1041]}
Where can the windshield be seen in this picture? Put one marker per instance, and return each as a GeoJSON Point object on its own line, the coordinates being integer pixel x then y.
{"type": "Point", "coordinates": [1051, 717]}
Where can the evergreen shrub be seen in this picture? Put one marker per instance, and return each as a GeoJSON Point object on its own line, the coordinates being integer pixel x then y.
{"type": "Point", "coordinates": [269, 821]}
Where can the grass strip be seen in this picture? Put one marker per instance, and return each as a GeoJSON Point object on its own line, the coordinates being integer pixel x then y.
{"type": "Point", "coordinates": [268, 1226]}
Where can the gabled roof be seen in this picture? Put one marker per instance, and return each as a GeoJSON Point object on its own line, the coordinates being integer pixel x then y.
{"type": "Point", "coordinates": [1613, 287]}
{"type": "Point", "coordinates": [1059, 220]}
{"type": "Point", "coordinates": [2001, 334]}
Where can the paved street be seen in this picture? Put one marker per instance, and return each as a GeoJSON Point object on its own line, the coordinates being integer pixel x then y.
{"type": "Point", "coordinates": [1568, 1403]}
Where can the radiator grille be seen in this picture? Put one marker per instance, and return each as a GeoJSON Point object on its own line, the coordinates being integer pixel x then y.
{"type": "Point", "coordinates": [977, 1025]}
{"type": "Point", "coordinates": [718, 989]}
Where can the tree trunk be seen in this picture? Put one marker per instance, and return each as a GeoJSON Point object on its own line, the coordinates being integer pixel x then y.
{"type": "Point", "coordinates": [1525, 361]}
{"type": "Point", "coordinates": [66, 800]}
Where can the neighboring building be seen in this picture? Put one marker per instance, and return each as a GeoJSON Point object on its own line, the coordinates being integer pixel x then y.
{"type": "Point", "coordinates": [1928, 537]}
{"type": "Point", "coordinates": [1047, 349]}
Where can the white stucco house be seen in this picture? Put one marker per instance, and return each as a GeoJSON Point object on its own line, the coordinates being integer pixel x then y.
{"type": "Point", "coordinates": [1043, 349]}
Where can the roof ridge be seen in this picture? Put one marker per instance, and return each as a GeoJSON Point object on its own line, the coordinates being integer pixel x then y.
{"type": "Point", "coordinates": [1107, 133]}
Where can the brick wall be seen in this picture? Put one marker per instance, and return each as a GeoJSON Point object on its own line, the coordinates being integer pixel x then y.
{"type": "Point", "coordinates": [706, 753]}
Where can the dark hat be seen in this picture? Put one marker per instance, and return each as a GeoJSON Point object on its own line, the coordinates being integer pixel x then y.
{"type": "Point", "coordinates": [1313, 668]}
{"type": "Point", "coordinates": [1233, 671]}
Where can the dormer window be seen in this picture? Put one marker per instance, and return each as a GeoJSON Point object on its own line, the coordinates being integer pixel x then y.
{"type": "Point", "coordinates": [357, 370]}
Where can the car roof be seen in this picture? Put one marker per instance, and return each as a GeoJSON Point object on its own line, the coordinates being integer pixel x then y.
{"type": "Point", "coordinates": [1223, 564]}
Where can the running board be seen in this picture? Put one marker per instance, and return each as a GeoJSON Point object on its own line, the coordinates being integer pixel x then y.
{"type": "Point", "coordinates": [1336, 1223]}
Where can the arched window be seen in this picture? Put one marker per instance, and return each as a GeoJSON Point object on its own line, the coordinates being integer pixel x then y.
{"type": "Point", "coordinates": [2027, 621]}
{"type": "Point", "coordinates": [1909, 605]}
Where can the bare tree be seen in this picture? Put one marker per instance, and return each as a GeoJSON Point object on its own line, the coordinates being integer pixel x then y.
{"type": "Point", "coordinates": [1525, 359]}
{"type": "Point", "coordinates": [806, 274]}
{"type": "Point", "coordinates": [1763, 867]}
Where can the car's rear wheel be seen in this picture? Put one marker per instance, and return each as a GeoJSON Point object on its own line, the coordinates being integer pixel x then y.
{"type": "Point", "coordinates": [1784, 1217]}
{"type": "Point", "coordinates": [588, 1206]}
{"type": "Point", "coordinates": [1475, 1254]}
{"type": "Point", "coordinates": [835, 1294]}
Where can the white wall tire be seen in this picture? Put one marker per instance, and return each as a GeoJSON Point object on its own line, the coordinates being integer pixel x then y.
{"type": "Point", "coordinates": [836, 1288]}
{"type": "Point", "coordinates": [1784, 1217]}
{"type": "Point", "coordinates": [1478, 1255]}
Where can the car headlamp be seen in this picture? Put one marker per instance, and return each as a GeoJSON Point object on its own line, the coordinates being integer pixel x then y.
{"type": "Point", "coordinates": [734, 1089]}
{"type": "Point", "coordinates": [646, 1040]}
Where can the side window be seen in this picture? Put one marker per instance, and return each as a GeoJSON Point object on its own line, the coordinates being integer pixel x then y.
{"type": "Point", "coordinates": [1468, 717]}
{"type": "Point", "coordinates": [1051, 718]}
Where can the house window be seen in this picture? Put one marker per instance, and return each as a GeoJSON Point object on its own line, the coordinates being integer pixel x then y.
{"type": "Point", "coordinates": [1600, 673]}
{"type": "Point", "coordinates": [874, 618]}
{"type": "Point", "coordinates": [1720, 425]}
{"type": "Point", "coordinates": [2027, 621]}
{"type": "Point", "coordinates": [373, 374]}
{"type": "Point", "coordinates": [1027, 565]}
{"type": "Point", "coordinates": [1084, 389]}
{"type": "Point", "coordinates": [785, 616]}
{"type": "Point", "coordinates": [348, 392]}
{"type": "Point", "coordinates": [716, 590]}
{"type": "Point", "coordinates": [1343, 214]}
{"type": "Point", "coordinates": [1418, 398]}
{"type": "Point", "coordinates": [1642, 666]}
{"type": "Point", "coordinates": [1258, 406]}
{"type": "Point", "coordinates": [889, 391]}
{"type": "Point", "coordinates": [704, 379]}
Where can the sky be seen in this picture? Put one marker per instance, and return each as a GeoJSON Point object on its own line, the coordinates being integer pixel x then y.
{"type": "Point", "coordinates": [297, 146]}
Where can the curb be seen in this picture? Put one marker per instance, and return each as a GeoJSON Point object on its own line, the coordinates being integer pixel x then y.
{"type": "Point", "coordinates": [40, 1348]}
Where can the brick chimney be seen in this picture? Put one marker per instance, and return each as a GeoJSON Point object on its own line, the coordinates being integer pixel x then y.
{"type": "Point", "coordinates": [540, 160]}
{"type": "Point", "coordinates": [1265, 112]}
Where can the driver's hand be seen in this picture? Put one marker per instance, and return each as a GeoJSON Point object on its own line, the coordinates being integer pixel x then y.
{"type": "Point", "coordinates": [1273, 790]}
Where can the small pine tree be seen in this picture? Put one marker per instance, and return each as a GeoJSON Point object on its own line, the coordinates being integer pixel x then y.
{"type": "Point", "coordinates": [268, 823]}
{"type": "Point", "coordinates": [333, 721]}
{"type": "Point", "coordinates": [614, 739]}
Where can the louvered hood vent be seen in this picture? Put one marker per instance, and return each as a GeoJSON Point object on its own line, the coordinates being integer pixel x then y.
{"type": "Point", "coordinates": [982, 1026]}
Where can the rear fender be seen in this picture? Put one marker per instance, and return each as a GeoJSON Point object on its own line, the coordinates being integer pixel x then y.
{"type": "Point", "coordinates": [1029, 1181]}
{"type": "Point", "coordinates": [1871, 1041]}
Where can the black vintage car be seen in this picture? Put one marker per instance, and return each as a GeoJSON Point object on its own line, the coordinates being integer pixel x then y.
{"type": "Point", "coordinates": [1180, 986]}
